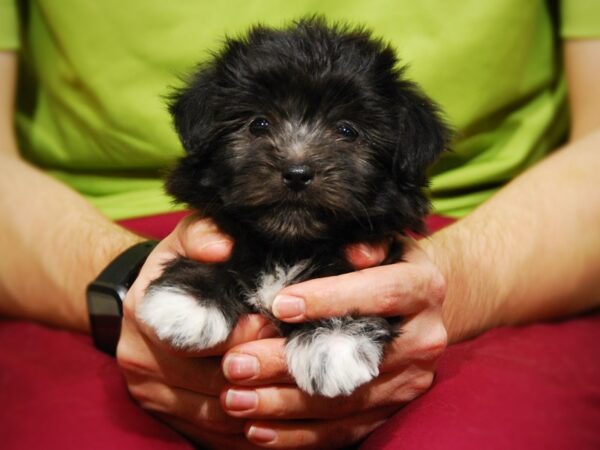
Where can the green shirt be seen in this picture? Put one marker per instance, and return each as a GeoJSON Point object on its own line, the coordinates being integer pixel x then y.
{"type": "Point", "coordinates": [94, 76]}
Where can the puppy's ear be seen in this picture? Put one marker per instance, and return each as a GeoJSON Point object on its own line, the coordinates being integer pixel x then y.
{"type": "Point", "coordinates": [192, 112]}
{"type": "Point", "coordinates": [422, 134]}
{"type": "Point", "coordinates": [191, 180]}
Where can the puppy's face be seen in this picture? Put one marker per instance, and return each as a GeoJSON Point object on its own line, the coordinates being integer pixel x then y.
{"type": "Point", "coordinates": [306, 134]}
{"type": "Point", "coordinates": [299, 175]}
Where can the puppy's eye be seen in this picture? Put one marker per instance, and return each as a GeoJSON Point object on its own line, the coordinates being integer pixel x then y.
{"type": "Point", "coordinates": [259, 126]}
{"type": "Point", "coordinates": [347, 132]}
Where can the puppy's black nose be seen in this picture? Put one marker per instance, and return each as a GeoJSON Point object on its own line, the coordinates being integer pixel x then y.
{"type": "Point", "coordinates": [298, 177]}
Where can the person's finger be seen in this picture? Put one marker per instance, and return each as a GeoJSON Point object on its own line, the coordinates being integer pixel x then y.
{"type": "Point", "coordinates": [192, 238]}
{"type": "Point", "coordinates": [423, 338]}
{"type": "Point", "coordinates": [289, 402]}
{"type": "Point", "coordinates": [365, 255]}
{"type": "Point", "coordinates": [392, 290]}
{"type": "Point", "coordinates": [151, 269]}
{"type": "Point", "coordinates": [257, 362]}
{"type": "Point", "coordinates": [138, 355]}
{"type": "Point", "coordinates": [202, 241]}
{"type": "Point", "coordinates": [209, 440]}
{"type": "Point", "coordinates": [330, 434]}
{"type": "Point", "coordinates": [203, 411]}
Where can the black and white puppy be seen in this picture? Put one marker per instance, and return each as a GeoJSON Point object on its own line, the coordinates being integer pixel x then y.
{"type": "Point", "coordinates": [299, 141]}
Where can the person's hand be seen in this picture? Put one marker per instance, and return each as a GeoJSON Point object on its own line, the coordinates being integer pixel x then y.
{"type": "Point", "coordinates": [183, 388]}
{"type": "Point", "coordinates": [282, 416]}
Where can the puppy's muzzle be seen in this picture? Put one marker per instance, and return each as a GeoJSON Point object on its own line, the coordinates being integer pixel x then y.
{"type": "Point", "coordinates": [297, 177]}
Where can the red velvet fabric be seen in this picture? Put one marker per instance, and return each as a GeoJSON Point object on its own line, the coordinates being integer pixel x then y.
{"type": "Point", "coordinates": [156, 227]}
{"type": "Point", "coordinates": [534, 387]}
{"type": "Point", "coordinates": [58, 392]}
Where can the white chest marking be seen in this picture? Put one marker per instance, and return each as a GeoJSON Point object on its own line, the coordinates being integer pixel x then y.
{"type": "Point", "coordinates": [270, 283]}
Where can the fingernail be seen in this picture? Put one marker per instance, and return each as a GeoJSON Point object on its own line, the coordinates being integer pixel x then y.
{"type": "Point", "coordinates": [241, 400]}
{"type": "Point", "coordinates": [365, 250]}
{"type": "Point", "coordinates": [288, 307]}
{"type": "Point", "coordinates": [240, 367]}
{"type": "Point", "coordinates": [375, 255]}
{"type": "Point", "coordinates": [215, 244]}
{"type": "Point", "coordinates": [262, 435]}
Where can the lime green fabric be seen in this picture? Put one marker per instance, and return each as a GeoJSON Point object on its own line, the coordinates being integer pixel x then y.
{"type": "Point", "coordinates": [9, 25]}
{"type": "Point", "coordinates": [94, 77]}
{"type": "Point", "coordinates": [580, 18]}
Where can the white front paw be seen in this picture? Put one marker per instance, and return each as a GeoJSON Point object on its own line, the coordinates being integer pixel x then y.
{"type": "Point", "coordinates": [181, 320]}
{"type": "Point", "coordinates": [332, 364]}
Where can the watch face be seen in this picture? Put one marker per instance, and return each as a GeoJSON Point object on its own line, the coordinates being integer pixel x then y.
{"type": "Point", "coordinates": [101, 304]}
{"type": "Point", "coordinates": [104, 305]}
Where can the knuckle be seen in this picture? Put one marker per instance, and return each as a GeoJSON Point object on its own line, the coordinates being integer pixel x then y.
{"type": "Point", "coordinates": [275, 409]}
{"type": "Point", "coordinates": [387, 304]}
{"type": "Point", "coordinates": [275, 404]}
{"type": "Point", "coordinates": [410, 395]}
{"type": "Point", "coordinates": [437, 287]}
{"type": "Point", "coordinates": [327, 305]}
{"type": "Point", "coordinates": [433, 343]}
{"type": "Point", "coordinates": [422, 383]}
{"type": "Point", "coordinates": [398, 398]}
{"type": "Point", "coordinates": [141, 393]}
{"type": "Point", "coordinates": [414, 388]}
{"type": "Point", "coordinates": [124, 356]}
{"type": "Point", "coordinates": [128, 361]}
{"type": "Point", "coordinates": [138, 394]}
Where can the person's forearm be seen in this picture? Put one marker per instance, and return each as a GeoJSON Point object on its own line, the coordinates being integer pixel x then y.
{"type": "Point", "coordinates": [532, 252]}
{"type": "Point", "coordinates": [53, 243]}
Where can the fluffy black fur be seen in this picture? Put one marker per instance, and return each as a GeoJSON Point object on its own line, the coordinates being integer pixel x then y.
{"type": "Point", "coordinates": [298, 142]}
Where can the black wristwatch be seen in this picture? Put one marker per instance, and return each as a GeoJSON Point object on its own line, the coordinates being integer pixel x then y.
{"type": "Point", "coordinates": [106, 293]}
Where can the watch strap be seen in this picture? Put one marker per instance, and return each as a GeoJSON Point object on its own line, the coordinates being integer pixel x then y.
{"type": "Point", "coordinates": [105, 295]}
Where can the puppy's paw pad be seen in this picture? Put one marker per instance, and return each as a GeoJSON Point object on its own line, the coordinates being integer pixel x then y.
{"type": "Point", "coordinates": [332, 364]}
{"type": "Point", "coordinates": [181, 320]}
